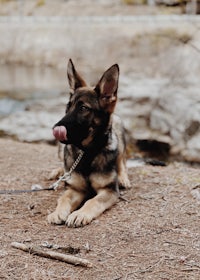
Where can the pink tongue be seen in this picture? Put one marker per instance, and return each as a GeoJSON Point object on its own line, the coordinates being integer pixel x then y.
{"type": "Point", "coordinates": [60, 133]}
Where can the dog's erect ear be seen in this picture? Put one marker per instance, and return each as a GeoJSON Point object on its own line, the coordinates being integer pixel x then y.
{"type": "Point", "coordinates": [75, 80]}
{"type": "Point", "coordinates": [107, 88]}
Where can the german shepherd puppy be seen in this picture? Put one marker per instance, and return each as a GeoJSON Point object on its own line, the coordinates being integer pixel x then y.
{"type": "Point", "coordinates": [90, 125]}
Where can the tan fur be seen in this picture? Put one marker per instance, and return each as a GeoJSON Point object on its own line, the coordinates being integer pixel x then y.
{"type": "Point", "coordinates": [67, 203]}
{"type": "Point", "coordinates": [74, 196]}
{"type": "Point", "coordinates": [92, 208]}
{"type": "Point", "coordinates": [99, 180]}
{"type": "Point", "coordinates": [89, 139]}
{"type": "Point", "coordinates": [122, 172]}
{"type": "Point", "coordinates": [70, 200]}
{"type": "Point", "coordinates": [77, 182]}
{"type": "Point", "coordinates": [56, 173]}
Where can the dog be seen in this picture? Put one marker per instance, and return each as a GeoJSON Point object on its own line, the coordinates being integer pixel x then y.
{"type": "Point", "coordinates": [89, 125]}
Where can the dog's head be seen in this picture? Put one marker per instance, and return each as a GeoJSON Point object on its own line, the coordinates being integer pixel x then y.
{"type": "Point", "coordinates": [89, 109]}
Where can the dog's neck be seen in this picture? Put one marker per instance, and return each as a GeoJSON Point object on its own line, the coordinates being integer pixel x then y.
{"type": "Point", "coordinates": [99, 142]}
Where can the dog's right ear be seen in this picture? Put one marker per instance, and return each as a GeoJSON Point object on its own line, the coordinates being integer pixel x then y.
{"type": "Point", "coordinates": [75, 80]}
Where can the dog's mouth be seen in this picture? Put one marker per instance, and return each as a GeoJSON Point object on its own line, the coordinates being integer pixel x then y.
{"type": "Point", "coordinates": [70, 135]}
{"type": "Point", "coordinates": [60, 133]}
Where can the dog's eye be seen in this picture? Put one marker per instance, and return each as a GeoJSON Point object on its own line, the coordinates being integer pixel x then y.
{"type": "Point", "coordinates": [84, 108]}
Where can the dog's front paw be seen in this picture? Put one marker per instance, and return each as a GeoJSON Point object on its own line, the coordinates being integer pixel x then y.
{"type": "Point", "coordinates": [124, 182]}
{"type": "Point", "coordinates": [55, 173]}
{"type": "Point", "coordinates": [78, 219]}
{"type": "Point", "coordinates": [58, 217]}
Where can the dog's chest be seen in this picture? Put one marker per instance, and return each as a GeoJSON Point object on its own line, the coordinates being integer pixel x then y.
{"type": "Point", "coordinates": [104, 161]}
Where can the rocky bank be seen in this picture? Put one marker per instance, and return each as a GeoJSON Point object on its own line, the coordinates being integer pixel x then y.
{"type": "Point", "coordinates": [159, 98]}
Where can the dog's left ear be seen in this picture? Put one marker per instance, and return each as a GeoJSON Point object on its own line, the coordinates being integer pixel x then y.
{"type": "Point", "coordinates": [107, 88]}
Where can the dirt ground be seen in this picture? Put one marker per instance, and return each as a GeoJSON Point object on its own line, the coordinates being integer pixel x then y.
{"type": "Point", "coordinates": [151, 233]}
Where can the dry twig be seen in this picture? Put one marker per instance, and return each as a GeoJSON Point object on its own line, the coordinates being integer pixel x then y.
{"type": "Point", "coordinates": [52, 255]}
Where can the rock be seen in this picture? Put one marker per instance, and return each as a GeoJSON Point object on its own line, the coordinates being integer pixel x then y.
{"type": "Point", "coordinates": [157, 111]}
{"type": "Point", "coordinates": [159, 98]}
{"type": "Point", "coordinates": [192, 149]}
{"type": "Point", "coordinates": [177, 114]}
{"type": "Point", "coordinates": [8, 106]}
{"type": "Point", "coordinates": [30, 126]}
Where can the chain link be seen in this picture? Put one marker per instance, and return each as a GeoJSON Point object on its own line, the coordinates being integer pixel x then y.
{"type": "Point", "coordinates": [67, 175]}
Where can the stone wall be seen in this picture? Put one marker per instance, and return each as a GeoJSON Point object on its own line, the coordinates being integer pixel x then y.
{"type": "Point", "coordinates": [159, 60]}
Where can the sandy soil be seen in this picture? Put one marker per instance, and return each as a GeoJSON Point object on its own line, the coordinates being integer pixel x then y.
{"type": "Point", "coordinates": [152, 233]}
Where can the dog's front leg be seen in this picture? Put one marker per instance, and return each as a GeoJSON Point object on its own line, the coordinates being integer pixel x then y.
{"type": "Point", "coordinates": [104, 199]}
{"type": "Point", "coordinates": [67, 203]}
{"type": "Point", "coordinates": [122, 172]}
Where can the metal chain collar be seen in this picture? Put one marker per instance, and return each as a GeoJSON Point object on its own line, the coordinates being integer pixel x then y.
{"type": "Point", "coordinates": [67, 175]}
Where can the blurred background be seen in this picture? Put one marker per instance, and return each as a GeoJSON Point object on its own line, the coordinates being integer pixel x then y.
{"type": "Point", "coordinates": [155, 42]}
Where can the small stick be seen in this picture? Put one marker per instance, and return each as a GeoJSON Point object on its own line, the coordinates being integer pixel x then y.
{"type": "Point", "coordinates": [52, 255]}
